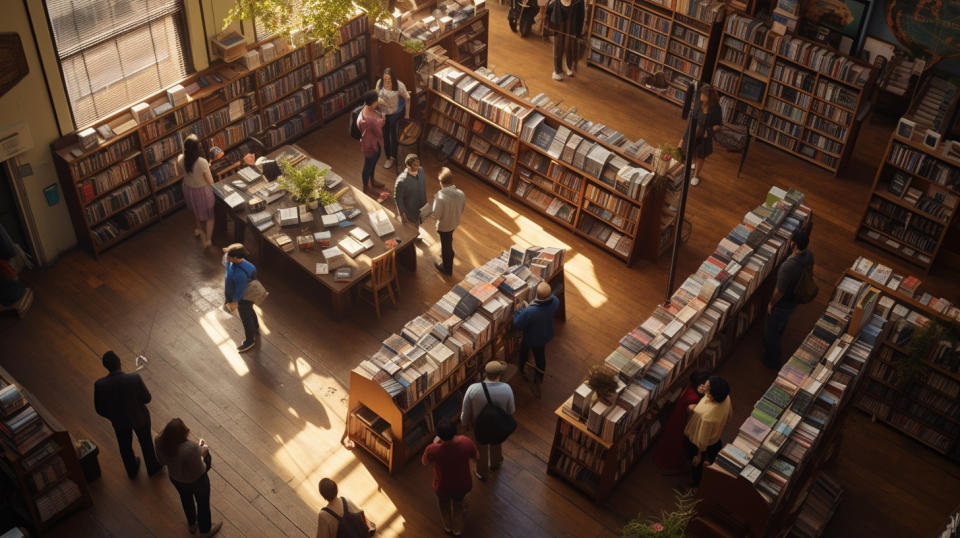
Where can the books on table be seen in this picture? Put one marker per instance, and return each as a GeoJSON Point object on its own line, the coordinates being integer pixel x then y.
{"type": "Point", "coordinates": [234, 200]}
{"type": "Point", "coordinates": [352, 247]}
{"type": "Point", "coordinates": [380, 223]}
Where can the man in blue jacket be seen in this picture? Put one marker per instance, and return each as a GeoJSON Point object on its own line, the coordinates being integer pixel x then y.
{"type": "Point", "coordinates": [536, 322]}
{"type": "Point", "coordinates": [239, 273]}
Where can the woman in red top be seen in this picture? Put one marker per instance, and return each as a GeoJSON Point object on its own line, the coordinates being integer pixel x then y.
{"type": "Point", "coordinates": [670, 455]}
{"type": "Point", "coordinates": [370, 121]}
{"type": "Point", "coordinates": [451, 455]}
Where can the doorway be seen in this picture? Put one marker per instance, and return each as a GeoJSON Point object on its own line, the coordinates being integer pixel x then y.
{"type": "Point", "coordinates": [11, 218]}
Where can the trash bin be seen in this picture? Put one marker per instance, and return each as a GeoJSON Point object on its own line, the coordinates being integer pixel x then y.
{"type": "Point", "coordinates": [87, 453]}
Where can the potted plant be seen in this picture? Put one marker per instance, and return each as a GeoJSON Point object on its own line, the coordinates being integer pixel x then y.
{"type": "Point", "coordinates": [303, 183]}
{"type": "Point", "coordinates": [603, 381]}
{"type": "Point", "coordinates": [413, 46]}
{"type": "Point", "coordinates": [669, 524]}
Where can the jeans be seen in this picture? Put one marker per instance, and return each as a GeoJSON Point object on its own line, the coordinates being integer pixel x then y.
{"type": "Point", "coordinates": [251, 326]}
{"type": "Point", "coordinates": [491, 458]}
{"type": "Point", "coordinates": [773, 328]}
{"type": "Point", "coordinates": [539, 357]}
{"type": "Point", "coordinates": [709, 455]}
{"type": "Point", "coordinates": [195, 498]}
{"type": "Point", "coordinates": [391, 134]}
{"type": "Point", "coordinates": [446, 250]}
{"type": "Point", "coordinates": [451, 511]}
{"type": "Point", "coordinates": [369, 166]}
{"type": "Point", "coordinates": [125, 442]}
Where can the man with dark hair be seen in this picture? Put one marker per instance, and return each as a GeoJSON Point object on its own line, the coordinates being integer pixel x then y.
{"type": "Point", "coordinates": [122, 398]}
{"type": "Point", "coordinates": [450, 454]}
{"type": "Point", "coordinates": [239, 273]}
{"type": "Point", "coordinates": [410, 190]}
{"type": "Point", "coordinates": [337, 509]}
{"type": "Point", "coordinates": [448, 205]}
{"type": "Point", "coordinates": [782, 302]}
{"type": "Point", "coordinates": [701, 437]}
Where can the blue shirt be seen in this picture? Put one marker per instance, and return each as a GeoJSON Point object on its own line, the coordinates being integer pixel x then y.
{"type": "Point", "coordinates": [235, 283]}
{"type": "Point", "coordinates": [536, 321]}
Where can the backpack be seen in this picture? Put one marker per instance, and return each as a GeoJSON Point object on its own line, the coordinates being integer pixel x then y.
{"type": "Point", "coordinates": [493, 425]}
{"type": "Point", "coordinates": [806, 288]}
{"type": "Point", "coordinates": [354, 128]}
{"type": "Point", "coordinates": [350, 525]}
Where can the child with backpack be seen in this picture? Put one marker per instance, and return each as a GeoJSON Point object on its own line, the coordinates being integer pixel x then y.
{"type": "Point", "coordinates": [340, 518]}
{"type": "Point", "coordinates": [795, 286]}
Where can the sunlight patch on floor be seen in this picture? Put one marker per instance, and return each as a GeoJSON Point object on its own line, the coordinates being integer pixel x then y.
{"type": "Point", "coordinates": [212, 325]}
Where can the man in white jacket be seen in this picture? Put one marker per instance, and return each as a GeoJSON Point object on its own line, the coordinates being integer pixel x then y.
{"type": "Point", "coordinates": [448, 205]}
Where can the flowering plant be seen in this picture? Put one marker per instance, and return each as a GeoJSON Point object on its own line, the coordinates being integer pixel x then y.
{"type": "Point", "coordinates": [670, 525]}
{"type": "Point", "coordinates": [668, 151]}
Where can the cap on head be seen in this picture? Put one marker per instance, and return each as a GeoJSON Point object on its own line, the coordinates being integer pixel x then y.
{"type": "Point", "coordinates": [543, 290]}
{"type": "Point", "coordinates": [494, 368]}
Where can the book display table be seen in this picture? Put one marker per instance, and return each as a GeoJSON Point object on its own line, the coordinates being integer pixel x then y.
{"type": "Point", "coordinates": [311, 224]}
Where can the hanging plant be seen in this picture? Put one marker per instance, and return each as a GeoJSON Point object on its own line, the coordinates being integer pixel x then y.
{"type": "Point", "coordinates": [413, 46]}
{"type": "Point", "coordinates": [669, 524]}
{"type": "Point", "coordinates": [319, 20]}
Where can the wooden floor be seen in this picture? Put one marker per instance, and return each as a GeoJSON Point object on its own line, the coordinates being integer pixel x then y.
{"type": "Point", "coordinates": [273, 417]}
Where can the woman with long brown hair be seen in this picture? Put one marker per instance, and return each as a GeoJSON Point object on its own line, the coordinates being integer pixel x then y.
{"type": "Point", "coordinates": [198, 188]}
{"type": "Point", "coordinates": [709, 118]}
{"type": "Point", "coordinates": [187, 465]}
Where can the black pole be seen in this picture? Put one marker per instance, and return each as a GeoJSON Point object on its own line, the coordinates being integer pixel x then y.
{"type": "Point", "coordinates": [692, 92]}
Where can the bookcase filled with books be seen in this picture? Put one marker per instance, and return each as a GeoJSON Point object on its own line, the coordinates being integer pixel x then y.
{"type": "Point", "coordinates": [121, 174]}
{"type": "Point", "coordinates": [808, 99]}
{"type": "Point", "coordinates": [38, 460]}
{"type": "Point", "coordinates": [587, 177]}
{"type": "Point", "coordinates": [597, 442]}
{"type": "Point", "coordinates": [418, 377]}
{"type": "Point", "coordinates": [912, 203]}
{"type": "Point", "coordinates": [637, 39]}
{"type": "Point", "coordinates": [762, 480]}
{"type": "Point", "coordinates": [913, 386]}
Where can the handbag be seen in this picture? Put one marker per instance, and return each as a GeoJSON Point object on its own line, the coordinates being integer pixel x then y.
{"type": "Point", "coordinates": [732, 139]}
{"type": "Point", "coordinates": [255, 292]}
{"type": "Point", "coordinates": [493, 425]}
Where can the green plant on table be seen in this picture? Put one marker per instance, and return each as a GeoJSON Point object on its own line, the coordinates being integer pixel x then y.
{"type": "Point", "coordinates": [414, 46]}
{"type": "Point", "coordinates": [671, 524]}
{"type": "Point", "coordinates": [305, 183]}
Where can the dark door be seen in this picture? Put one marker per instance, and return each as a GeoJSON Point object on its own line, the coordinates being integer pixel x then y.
{"type": "Point", "coordinates": [10, 216]}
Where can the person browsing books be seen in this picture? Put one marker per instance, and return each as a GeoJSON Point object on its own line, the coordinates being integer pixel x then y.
{"type": "Point", "coordinates": [783, 302]}
{"type": "Point", "coordinates": [535, 321]}
{"type": "Point", "coordinates": [474, 400]}
{"type": "Point", "coordinates": [701, 437]}
{"type": "Point", "coordinates": [709, 118]}
{"type": "Point", "coordinates": [187, 464]}
{"type": "Point", "coordinates": [122, 398]}
{"type": "Point", "coordinates": [448, 205]}
{"type": "Point", "coordinates": [670, 453]}
{"type": "Point", "coordinates": [239, 273]}
{"type": "Point", "coordinates": [198, 188]}
{"type": "Point", "coordinates": [394, 102]}
{"type": "Point", "coordinates": [450, 455]}
{"type": "Point", "coordinates": [370, 121]}
{"type": "Point", "coordinates": [410, 190]}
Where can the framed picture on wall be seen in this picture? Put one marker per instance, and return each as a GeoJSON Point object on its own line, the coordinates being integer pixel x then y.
{"type": "Point", "coordinates": [839, 23]}
{"type": "Point", "coordinates": [931, 139]}
{"type": "Point", "coordinates": [905, 128]}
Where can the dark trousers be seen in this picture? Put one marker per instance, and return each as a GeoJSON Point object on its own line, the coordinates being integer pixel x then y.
{"type": "Point", "coordinates": [539, 357]}
{"type": "Point", "coordinates": [709, 455]}
{"type": "Point", "coordinates": [251, 326]}
{"type": "Point", "coordinates": [564, 46]}
{"type": "Point", "coordinates": [195, 498]}
{"type": "Point", "coordinates": [446, 250]}
{"type": "Point", "coordinates": [369, 166]}
{"type": "Point", "coordinates": [391, 134]}
{"type": "Point", "coordinates": [773, 328]}
{"type": "Point", "coordinates": [125, 442]}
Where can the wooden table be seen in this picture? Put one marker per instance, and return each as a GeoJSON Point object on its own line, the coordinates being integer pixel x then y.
{"type": "Point", "coordinates": [340, 292]}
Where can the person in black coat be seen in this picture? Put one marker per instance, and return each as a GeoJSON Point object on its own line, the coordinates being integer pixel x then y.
{"type": "Point", "coordinates": [123, 398]}
{"type": "Point", "coordinates": [566, 18]}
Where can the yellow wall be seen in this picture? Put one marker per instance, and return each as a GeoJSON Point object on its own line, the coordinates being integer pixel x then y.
{"type": "Point", "coordinates": [29, 101]}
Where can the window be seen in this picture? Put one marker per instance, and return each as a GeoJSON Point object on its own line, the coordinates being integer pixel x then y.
{"type": "Point", "coordinates": [116, 53]}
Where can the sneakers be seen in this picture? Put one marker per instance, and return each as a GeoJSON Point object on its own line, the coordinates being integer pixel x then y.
{"type": "Point", "coordinates": [246, 346]}
{"type": "Point", "coordinates": [568, 70]}
{"type": "Point", "coordinates": [214, 529]}
{"type": "Point", "coordinates": [480, 478]}
{"type": "Point", "coordinates": [694, 181]}
{"type": "Point", "coordinates": [557, 76]}
{"type": "Point", "coordinates": [387, 164]}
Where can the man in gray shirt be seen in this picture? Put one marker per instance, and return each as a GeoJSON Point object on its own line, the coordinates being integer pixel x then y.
{"type": "Point", "coordinates": [474, 400]}
{"type": "Point", "coordinates": [782, 302]}
{"type": "Point", "coordinates": [410, 191]}
{"type": "Point", "coordinates": [448, 205]}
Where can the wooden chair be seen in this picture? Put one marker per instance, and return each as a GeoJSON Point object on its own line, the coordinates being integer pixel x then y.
{"type": "Point", "coordinates": [383, 276]}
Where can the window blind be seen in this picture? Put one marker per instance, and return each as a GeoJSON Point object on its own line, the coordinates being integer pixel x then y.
{"type": "Point", "coordinates": [115, 53]}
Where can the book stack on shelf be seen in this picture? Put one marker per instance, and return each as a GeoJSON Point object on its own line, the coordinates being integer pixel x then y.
{"type": "Point", "coordinates": [916, 395]}
{"type": "Point", "coordinates": [638, 39]}
{"type": "Point", "coordinates": [586, 176]}
{"type": "Point", "coordinates": [597, 442]}
{"type": "Point", "coordinates": [817, 509]}
{"type": "Point", "coordinates": [39, 457]}
{"type": "Point", "coordinates": [808, 99]}
{"type": "Point", "coordinates": [934, 105]}
{"type": "Point", "coordinates": [417, 377]}
{"type": "Point", "coordinates": [774, 461]}
{"type": "Point", "coordinates": [122, 173]}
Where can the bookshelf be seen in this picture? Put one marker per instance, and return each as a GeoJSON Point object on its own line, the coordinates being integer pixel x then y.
{"type": "Point", "coordinates": [419, 375]}
{"type": "Point", "coordinates": [121, 175]}
{"type": "Point", "coordinates": [924, 405]}
{"type": "Point", "coordinates": [640, 38]}
{"type": "Point", "coordinates": [39, 458]}
{"type": "Point", "coordinates": [552, 163]}
{"type": "Point", "coordinates": [910, 212]}
{"type": "Point", "coordinates": [808, 100]}
{"type": "Point", "coordinates": [597, 443]}
{"type": "Point", "coordinates": [767, 478]}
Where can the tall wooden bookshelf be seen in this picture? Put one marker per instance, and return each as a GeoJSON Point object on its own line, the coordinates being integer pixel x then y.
{"type": "Point", "coordinates": [394, 427]}
{"type": "Point", "coordinates": [39, 458]}
{"type": "Point", "coordinates": [913, 200]}
{"type": "Point", "coordinates": [633, 39]}
{"type": "Point", "coordinates": [595, 443]}
{"type": "Point", "coordinates": [502, 145]}
{"type": "Point", "coordinates": [131, 179]}
{"type": "Point", "coordinates": [924, 405]}
{"type": "Point", "coordinates": [809, 100]}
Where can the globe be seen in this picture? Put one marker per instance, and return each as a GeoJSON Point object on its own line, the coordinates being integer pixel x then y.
{"type": "Point", "coordinates": [927, 28]}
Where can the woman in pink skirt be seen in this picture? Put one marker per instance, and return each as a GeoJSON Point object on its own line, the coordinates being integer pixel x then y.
{"type": "Point", "coordinates": [197, 188]}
